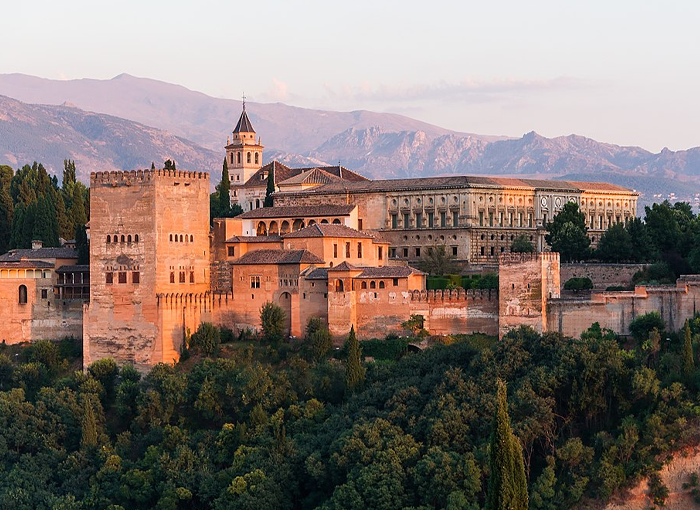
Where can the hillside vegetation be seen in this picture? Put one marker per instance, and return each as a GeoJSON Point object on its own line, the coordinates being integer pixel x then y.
{"type": "Point", "coordinates": [257, 425]}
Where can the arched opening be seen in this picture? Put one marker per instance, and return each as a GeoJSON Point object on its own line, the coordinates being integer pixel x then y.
{"type": "Point", "coordinates": [324, 221]}
{"type": "Point", "coordinates": [172, 277]}
{"type": "Point", "coordinates": [381, 285]}
{"type": "Point", "coordinates": [262, 229]}
{"type": "Point", "coordinates": [191, 238]}
{"type": "Point", "coordinates": [285, 303]}
{"type": "Point", "coordinates": [109, 239]}
{"type": "Point", "coordinates": [128, 238]}
{"type": "Point", "coordinates": [336, 221]}
{"type": "Point", "coordinates": [176, 238]}
{"type": "Point", "coordinates": [274, 229]}
{"type": "Point", "coordinates": [312, 222]}
{"type": "Point", "coordinates": [363, 285]}
{"type": "Point", "coordinates": [22, 294]}
{"type": "Point", "coordinates": [297, 225]}
{"type": "Point", "coordinates": [339, 287]}
{"type": "Point", "coordinates": [171, 237]}
{"type": "Point", "coordinates": [238, 158]}
{"type": "Point", "coordinates": [232, 158]}
{"type": "Point", "coordinates": [256, 158]}
{"type": "Point", "coordinates": [136, 238]}
{"type": "Point", "coordinates": [247, 157]}
{"type": "Point", "coordinates": [180, 237]}
{"type": "Point", "coordinates": [284, 229]}
{"type": "Point", "coordinates": [372, 284]}
{"type": "Point", "coordinates": [122, 238]}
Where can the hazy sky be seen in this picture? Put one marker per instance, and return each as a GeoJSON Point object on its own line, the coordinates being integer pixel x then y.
{"type": "Point", "coordinates": [625, 72]}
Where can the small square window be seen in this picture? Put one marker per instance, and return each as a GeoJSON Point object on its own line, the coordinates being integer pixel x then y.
{"type": "Point", "coordinates": [454, 251]}
{"type": "Point", "coordinates": [44, 293]}
{"type": "Point", "coordinates": [231, 251]}
{"type": "Point", "coordinates": [109, 278]}
{"type": "Point", "coordinates": [122, 276]}
{"type": "Point", "coordinates": [136, 277]}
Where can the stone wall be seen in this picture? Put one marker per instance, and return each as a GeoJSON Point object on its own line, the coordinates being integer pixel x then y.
{"type": "Point", "coordinates": [457, 311]}
{"type": "Point", "coordinates": [602, 275]}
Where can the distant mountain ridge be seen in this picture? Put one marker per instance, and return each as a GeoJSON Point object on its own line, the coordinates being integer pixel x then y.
{"type": "Point", "coordinates": [377, 145]}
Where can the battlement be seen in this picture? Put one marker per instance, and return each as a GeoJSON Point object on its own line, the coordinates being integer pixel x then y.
{"type": "Point", "coordinates": [454, 295]}
{"type": "Point", "coordinates": [138, 177]}
{"type": "Point", "coordinates": [506, 259]}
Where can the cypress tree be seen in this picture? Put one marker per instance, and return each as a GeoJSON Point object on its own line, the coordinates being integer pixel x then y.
{"type": "Point", "coordinates": [225, 193]}
{"type": "Point", "coordinates": [68, 175]}
{"type": "Point", "coordinates": [82, 244]}
{"type": "Point", "coordinates": [77, 210]}
{"type": "Point", "coordinates": [354, 371]}
{"type": "Point", "coordinates": [270, 187]}
{"type": "Point", "coordinates": [89, 424]}
{"type": "Point", "coordinates": [153, 165]}
{"type": "Point", "coordinates": [507, 483]}
{"type": "Point", "coordinates": [688, 362]}
{"type": "Point", "coordinates": [6, 210]}
{"type": "Point", "coordinates": [17, 222]}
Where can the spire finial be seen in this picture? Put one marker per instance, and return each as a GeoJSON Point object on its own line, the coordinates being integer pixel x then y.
{"type": "Point", "coordinates": [243, 101]}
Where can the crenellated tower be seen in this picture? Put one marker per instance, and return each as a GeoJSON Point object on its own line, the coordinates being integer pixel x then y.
{"type": "Point", "coordinates": [243, 153]}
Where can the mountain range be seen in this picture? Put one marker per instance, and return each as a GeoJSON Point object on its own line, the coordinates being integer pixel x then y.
{"type": "Point", "coordinates": [127, 122]}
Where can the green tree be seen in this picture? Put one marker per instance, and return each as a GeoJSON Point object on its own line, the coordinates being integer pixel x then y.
{"type": "Point", "coordinates": [568, 234]}
{"type": "Point", "coordinates": [507, 483]}
{"type": "Point", "coordinates": [270, 187]}
{"type": "Point", "coordinates": [577, 284]}
{"type": "Point", "coordinates": [321, 344]}
{"type": "Point", "coordinates": [643, 248]}
{"type": "Point", "coordinates": [169, 165]}
{"type": "Point", "coordinates": [68, 176]}
{"type": "Point", "coordinates": [688, 360]}
{"type": "Point", "coordinates": [224, 190]}
{"type": "Point", "coordinates": [354, 371]}
{"type": "Point", "coordinates": [643, 324]}
{"type": "Point", "coordinates": [45, 227]}
{"type": "Point", "coordinates": [77, 211]}
{"type": "Point", "coordinates": [615, 245]}
{"type": "Point", "coordinates": [89, 423]}
{"type": "Point", "coordinates": [82, 244]}
{"type": "Point", "coordinates": [436, 261]}
{"type": "Point", "coordinates": [206, 339]}
{"type": "Point", "coordinates": [6, 211]}
{"type": "Point", "coordinates": [272, 319]}
{"type": "Point", "coordinates": [522, 244]}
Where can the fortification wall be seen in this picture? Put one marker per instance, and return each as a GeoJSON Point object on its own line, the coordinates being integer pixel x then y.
{"type": "Point", "coordinates": [602, 275]}
{"type": "Point", "coordinates": [457, 311]}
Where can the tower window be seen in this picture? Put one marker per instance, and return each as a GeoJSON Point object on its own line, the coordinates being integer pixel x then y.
{"type": "Point", "coordinates": [256, 158]}
{"type": "Point", "coordinates": [180, 237]}
{"type": "Point", "coordinates": [238, 157]}
{"type": "Point", "coordinates": [109, 239]}
{"type": "Point", "coordinates": [232, 158]}
{"type": "Point", "coordinates": [247, 157]}
{"type": "Point", "coordinates": [171, 237]}
{"type": "Point", "coordinates": [136, 238]}
{"type": "Point", "coordinates": [109, 278]}
{"type": "Point", "coordinates": [191, 276]}
{"type": "Point", "coordinates": [122, 276]}
{"type": "Point", "coordinates": [182, 277]}
{"type": "Point", "coordinates": [22, 294]}
{"type": "Point", "coordinates": [136, 277]}
{"type": "Point", "coordinates": [191, 238]}
{"type": "Point", "coordinates": [122, 238]}
{"type": "Point", "coordinates": [347, 250]}
{"type": "Point", "coordinates": [359, 250]}
{"type": "Point", "coordinates": [172, 277]}
{"type": "Point", "coordinates": [128, 239]}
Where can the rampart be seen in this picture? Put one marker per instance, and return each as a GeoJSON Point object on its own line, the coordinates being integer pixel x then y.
{"type": "Point", "coordinates": [134, 177]}
{"type": "Point", "coordinates": [457, 311]}
{"type": "Point", "coordinates": [602, 275]}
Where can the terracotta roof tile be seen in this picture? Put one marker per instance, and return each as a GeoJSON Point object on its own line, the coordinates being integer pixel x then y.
{"type": "Point", "coordinates": [278, 257]}
{"type": "Point", "coordinates": [298, 211]}
{"type": "Point", "coordinates": [254, 239]}
{"type": "Point", "coordinates": [41, 253]}
{"type": "Point", "coordinates": [313, 176]}
{"type": "Point", "coordinates": [25, 264]}
{"type": "Point", "coordinates": [388, 272]}
{"type": "Point", "coordinates": [73, 269]}
{"type": "Point", "coordinates": [344, 266]}
{"type": "Point", "coordinates": [317, 273]}
{"type": "Point", "coordinates": [283, 173]}
{"type": "Point", "coordinates": [327, 230]}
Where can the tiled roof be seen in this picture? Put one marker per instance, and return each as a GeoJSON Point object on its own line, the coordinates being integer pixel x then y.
{"type": "Point", "coordinates": [25, 264]}
{"type": "Point", "coordinates": [459, 181]}
{"type": "Point", "coordinates": [244, 125]}
{"type": "Point", "coordinates": [317, 273]}
{"type": "Point", "coordinates": [73, 269]}
{"type": "Point", "coordinates": [344, 266]}
{"type": "Point", "coordinates": [313, 176]}
{"type": "Point", "coordinates": [297, 211]}
{"type": "Point", "coordinates": [388, 272]}
{"type": "Point", "coordinates": [284, 173]}
{"type": "Point", "coordinates": [278, 257]}
{"type": "Point", "coordinates": [328, 230]}
{"type": "Point", "coordinates": [254, 239]}
{"type": "Point", "coordinates": [41, 253]}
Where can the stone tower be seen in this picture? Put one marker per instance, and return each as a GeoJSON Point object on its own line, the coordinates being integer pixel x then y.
{"type": "Point", "coordinates": [243, 153]}
{"type": "Point", "coordinates": [149, 233]}
{"type": "Point", "coordinates": [525, 282]}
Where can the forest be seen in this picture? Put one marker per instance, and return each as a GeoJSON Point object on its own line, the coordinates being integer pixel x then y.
{"type": "Point", "coordinates": [259, 423]}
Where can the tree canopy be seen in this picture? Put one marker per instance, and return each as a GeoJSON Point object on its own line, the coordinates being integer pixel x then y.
{"type": "Point", "coordinates": [568, 234]}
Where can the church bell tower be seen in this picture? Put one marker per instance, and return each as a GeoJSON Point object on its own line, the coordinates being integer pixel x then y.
{"type": "Point", "coordinates": [243, 152]}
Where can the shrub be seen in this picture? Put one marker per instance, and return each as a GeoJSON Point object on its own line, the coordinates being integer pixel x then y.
{"type": "Point", "coordinates": [644, 324]}
{"type": "Point", "coordinates": [321, 344]}
{"type": "Point", "coordinates": [389, 349]}
{"type": "Point", "coordinates": [272, 321]}
{"type": "Point", "coordinates": [658, 491]}
{"type": "Point", "coordinates": [206, 339]}
{"type": "Point", "coordinates": [226, 335]}
{"type": "Point", "coordinates": [577, 284]}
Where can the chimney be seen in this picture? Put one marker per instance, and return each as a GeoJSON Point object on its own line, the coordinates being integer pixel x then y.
{"type": "Point", "coordinates": [37, 244]}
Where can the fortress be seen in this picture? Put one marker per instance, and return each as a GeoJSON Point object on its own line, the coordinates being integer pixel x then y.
{"type": "Point", "coordinates": [335, 246]}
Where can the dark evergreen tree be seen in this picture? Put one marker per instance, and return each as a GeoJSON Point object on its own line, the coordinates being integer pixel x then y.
{"type": "Point", "coordinates": [6, 211]}
{"type": "Point", "coordinates": [687, 360]}
{"type": "Point", "coordinates": [522, 244]}
{"type": "Point", "coordinates": [354, 371]}
{"type": "Point", "coordinates": [169, 164]}
{"type": "Point", "coordinates": [68, 176]}
{"type": "Point", "coordinates": [153, 165]}
{"type": "Point", "coordinates": [45, 226]}
{"type": "Point", "coordinates": [507, 482]}
{"type": "Point", "coordinates": [82, 244]}
{"type": "Point", "coordinates": [567, 234]}
{"type": "Point", "coordinates": [615, 245]}
{"type": "Point", "coordinates": [643, 248]}
{"type": "Point", "coordinates": [77, 211]}
{"type": "Point", "coordinates": [269, 202]}
{"type": "Point", "coordinates": [224, 190]}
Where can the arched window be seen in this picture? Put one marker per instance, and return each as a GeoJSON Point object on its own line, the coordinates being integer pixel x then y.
{"type": "Point", "coordinates": [172, 277]}
{"type": "Point", "coordinates": [381, 285]}
{"type": "Point", "coordinates": [262, 229]}
{"type": "Point", "coordinates": [136, 238]}
{"type": "Point", "coordinates": [273, 228]}
{"type": "Point", "coordinates": [232, 158]}
{"type": "Point", "coordinates": [284, 229]}
{"type": "Point", "coordinates": [128, 238]}
{"type": "Point", "coordinates": [109, 239]}
{"type": "Point", "coordinates": [238, 158]}
{"type": "Point", "coordinates": [336, 221]}
{"type": "Point", "coordinates": [122, 238]}
{"type": "Point", "coordinates": [171, 237]}
{"type": "Point", "coordinates": [324, 222]}
{"type": "Point", "coordinates": [247, 157]}
{"type": "Point", "coordinates": [363, 285]}
{"type": "Point", "coordinates": [191, 238]}
{"type": "Point", "coordinates": [257, 203]}
{"type": "Point", "coordinates": [339, 286]}
{"type": "Point", "coordinates": [297, 225]}
{"type": "Point", "coordinates": [256, 158]}
{"type": "Point", "coordinates": [175, 237]}
{"type": "Point", "coordinates": [22, 294]}
{"type": "Point", "coordinates": [180, 237]}
{"type": "Point", "coordinates": [372, 285]}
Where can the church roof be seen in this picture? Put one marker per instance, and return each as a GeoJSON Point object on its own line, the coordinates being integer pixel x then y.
{"type": "Point", "coordinates": [328, 230]}
{"type": "Point", "coordinates": [313, 176]}
{"type": "Point", "coordinates": [244, 125]}
{"type": "Point", "coordinates": [283, 174]}
{"type": "Point", "coordinates": [297, 211]}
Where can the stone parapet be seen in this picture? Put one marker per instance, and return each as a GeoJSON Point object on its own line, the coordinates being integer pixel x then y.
{"type": "Point", "coordinates": [135, 177]}
{"type": "Point", "coordinates": [454, 295]}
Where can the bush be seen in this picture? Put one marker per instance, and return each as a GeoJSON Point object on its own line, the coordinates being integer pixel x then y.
{"type": "Point", "coordinates": [272, 321]}
{"type": "Point", "coordinates": [658, 491]}
{"type": "Point", "coordinates": [389, 350]}
{"type": "Point", "coordinates": [321, 344]}
{"type": "Point", "coordinates": [577, 284]}
{"type": "Point", "coordinates": [644, 324]}
{"type": "Point", "coordinates": [206, 339]}
{"type": "Point", "coordinates": [487, 281]}
{"type": "Point", "coordinates": [226, 335]}
{"type": "Point", "coordinates": [46, 352]}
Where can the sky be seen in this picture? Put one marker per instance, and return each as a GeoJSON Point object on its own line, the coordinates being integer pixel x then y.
{"type": "Point", "coordinates": [618, 71]}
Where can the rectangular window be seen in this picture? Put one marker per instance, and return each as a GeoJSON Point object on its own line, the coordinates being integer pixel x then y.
{"type": "Point", "coordinates": [191, 276]}
{"type": "Point", "coordinates": [431, 220]}
{"type": "Point", "coordinates": [405, 253]}
{"type": "Point", "coordinates": [359, 250]}
{"type": "Point", "coordinates": [490, 219]}
{"type": "Point", "coordinates": [231, 251]}
{"type": "Point", "coordinates": [417, 252]}
{"type": "Point", "coordinates": [335, 251]}
{"type": "Point", "coordinates": [529, 220]}
{"type": "Point", "coordinates": [359, 224]}
{"type": "Point", "coordinates": [135, 277]}
{"type": "Point", "coordinates": [500, 219]}
{"type": "Point", "coordinates": [482, 250]}
{"type": "Point", "coordinates": [394, 223]}
{"type": "Point", "coordinates": [347, 250]}
{"type": "Point", "coordinates": [109, 278]}
{"type": "Point", "coordinates": [443, 219]}
{"type": "Point", "coordinates": [510, 219]}
{"type": "Point", "coordinates": [419, 220]}
{"type": "Point", "coordinates": [520, 220]}
{"type": "Point", "coordinates": [492, 251]}
{"type": "Point", "coordinates": [44, 293]}
{"type": "Point", "coordinates": [481, 218]}
{"type": "Point", "coordinates": [396, 282]}
{"type": "Point", "coordinates": [406, 220]}
{"type": "Point", "coordinates": [454, 251]}
{"type": "Point", "coordinates": [379, 253]}
{"type": "Point", "coordinates": [182, 277]}
{"type": "Point", "coordinates": [392, 253]}
{"type": "Point", "coordinates": [254, 282]}
{"type": "Point", "coordinates": [122, 276]}
{"type": "Point", "coordinates": [455, 218]}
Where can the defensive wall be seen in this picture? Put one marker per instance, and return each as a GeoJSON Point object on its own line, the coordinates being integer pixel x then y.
{"type": "Point", "coordinates": [602, 275]}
